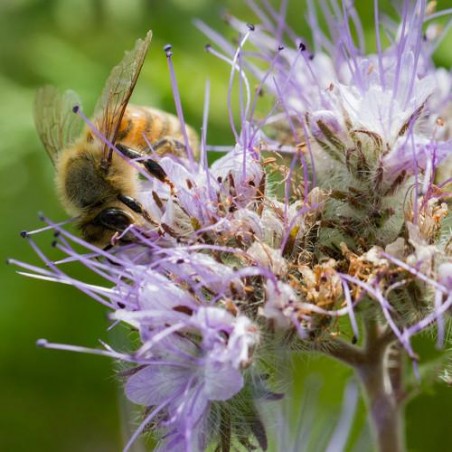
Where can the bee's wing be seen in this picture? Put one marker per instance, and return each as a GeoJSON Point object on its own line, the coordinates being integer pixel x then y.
{"type": "Point", "coordinates": [111, 105]}
{"type": "Point", "coordinates": [57, 125]}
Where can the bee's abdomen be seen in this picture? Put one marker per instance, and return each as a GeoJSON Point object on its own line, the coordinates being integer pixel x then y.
{"type": "Point", "coordinates": [144, 126]}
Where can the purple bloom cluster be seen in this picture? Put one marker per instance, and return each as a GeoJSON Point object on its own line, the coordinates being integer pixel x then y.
{"type": "Point", "coordinates": [279, 248]}
{"type": "Point", "coordinates": [193, 360]}
{"type": "Point", "coordinates": [395, 98]}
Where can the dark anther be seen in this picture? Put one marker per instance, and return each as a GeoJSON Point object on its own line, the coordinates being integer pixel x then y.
{"type": "Point", "coordinates": [121, 305]}
{"type": "Point", "coordinates": [24, 234]}
{"type": "Point", "coordinates": [157, 200]}
{"type": "Point", "coordinates": [131, 203]}
{"type": "Point", "coordinates": [311, 56]}
{"type": "Point", "coordinates": [41, 216]}
{"type": "Point", "coordinates": [183, 310]}
{"type": "Point", "coordinates": [155, 170]}
{"type": "Point", "coordinates": [41, 342]}
{"type": "Point", "coordinates": [129, 153]}
{"type": "Point", "coordinates": [207, 47]}
{"type": "Point", "coordinates": [54, 243]}
{"type": "Point", "coordinates": [152, 167]}
{"type": "Point", "coordinates": [280, 47]}
{"type": "Point", "coordinates": [167, 50]}
{"type": "Point", "coordinates": [302, 47]}
{"type": "Point", "coordinates": [251, 27]}
{"type": "Point", "coordinates": [75, 108]}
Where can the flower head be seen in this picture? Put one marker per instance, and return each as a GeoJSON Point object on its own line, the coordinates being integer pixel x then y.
{"type": "Point", "coordinates": [192, 363]}
{"type": "Point", "coordinates": [258, 252]}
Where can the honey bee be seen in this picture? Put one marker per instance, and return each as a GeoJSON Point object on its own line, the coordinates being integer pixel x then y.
{"type": "Point", "coordinates": [97, 185]}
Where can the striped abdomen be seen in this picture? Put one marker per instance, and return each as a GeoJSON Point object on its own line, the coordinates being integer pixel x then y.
{"type": "Point", "coordinates": [162, 130]}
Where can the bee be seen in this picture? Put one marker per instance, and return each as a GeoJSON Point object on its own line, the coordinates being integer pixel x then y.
{"type": "Point", "coordinates": [97, 184]}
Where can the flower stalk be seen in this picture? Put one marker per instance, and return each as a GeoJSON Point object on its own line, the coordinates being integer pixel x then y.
{"type": "Point", "coordinates": [384, 404]}
{"type": "Point", "coordinates": [378, 365]}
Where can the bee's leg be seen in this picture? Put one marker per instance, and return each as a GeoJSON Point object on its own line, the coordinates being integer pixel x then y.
{"type": "Point", "coordinates": [170, 145]}
{"type": "Point", "coordinates": [152, 167]}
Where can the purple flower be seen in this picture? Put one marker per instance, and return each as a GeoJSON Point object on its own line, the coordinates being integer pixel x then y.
{"type": "Point", "coordinates": [183, 375]}
{"type": "Point", "coordinates": [414, 154]}
{"type": "Point", "coordinates": [264, 252]}
{"type": "Point", "coordinates": [345, 96]}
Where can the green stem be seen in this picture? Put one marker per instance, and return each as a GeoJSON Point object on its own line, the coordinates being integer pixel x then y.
{"type": "Point", "coordinates": [381, 383]}
{"type": "Point", "coordinates": [385, 411]}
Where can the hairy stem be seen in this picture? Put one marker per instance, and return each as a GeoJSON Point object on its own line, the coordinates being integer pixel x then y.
{"type": "Point", "coordinates": [385, 412]}
{"type": "Point", "coordinates": [379, 370]}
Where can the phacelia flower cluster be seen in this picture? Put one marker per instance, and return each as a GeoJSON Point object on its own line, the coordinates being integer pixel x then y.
{"type": "Point", "coordinates": [324, 219]}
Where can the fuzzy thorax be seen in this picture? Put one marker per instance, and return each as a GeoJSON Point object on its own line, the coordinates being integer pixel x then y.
{"type": "Point", "coordinates": [84, 185]}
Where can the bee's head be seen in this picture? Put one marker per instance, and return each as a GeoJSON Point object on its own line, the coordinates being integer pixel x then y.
{"type": "Point", "coordinates": [100, 229]}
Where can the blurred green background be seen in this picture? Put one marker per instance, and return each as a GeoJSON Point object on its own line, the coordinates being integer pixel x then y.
{"type": "Point", "coordinates": [58, 401]}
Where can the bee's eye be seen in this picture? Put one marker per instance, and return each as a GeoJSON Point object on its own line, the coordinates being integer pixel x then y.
{"type": "Point", "coordinates": [113, 219]}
